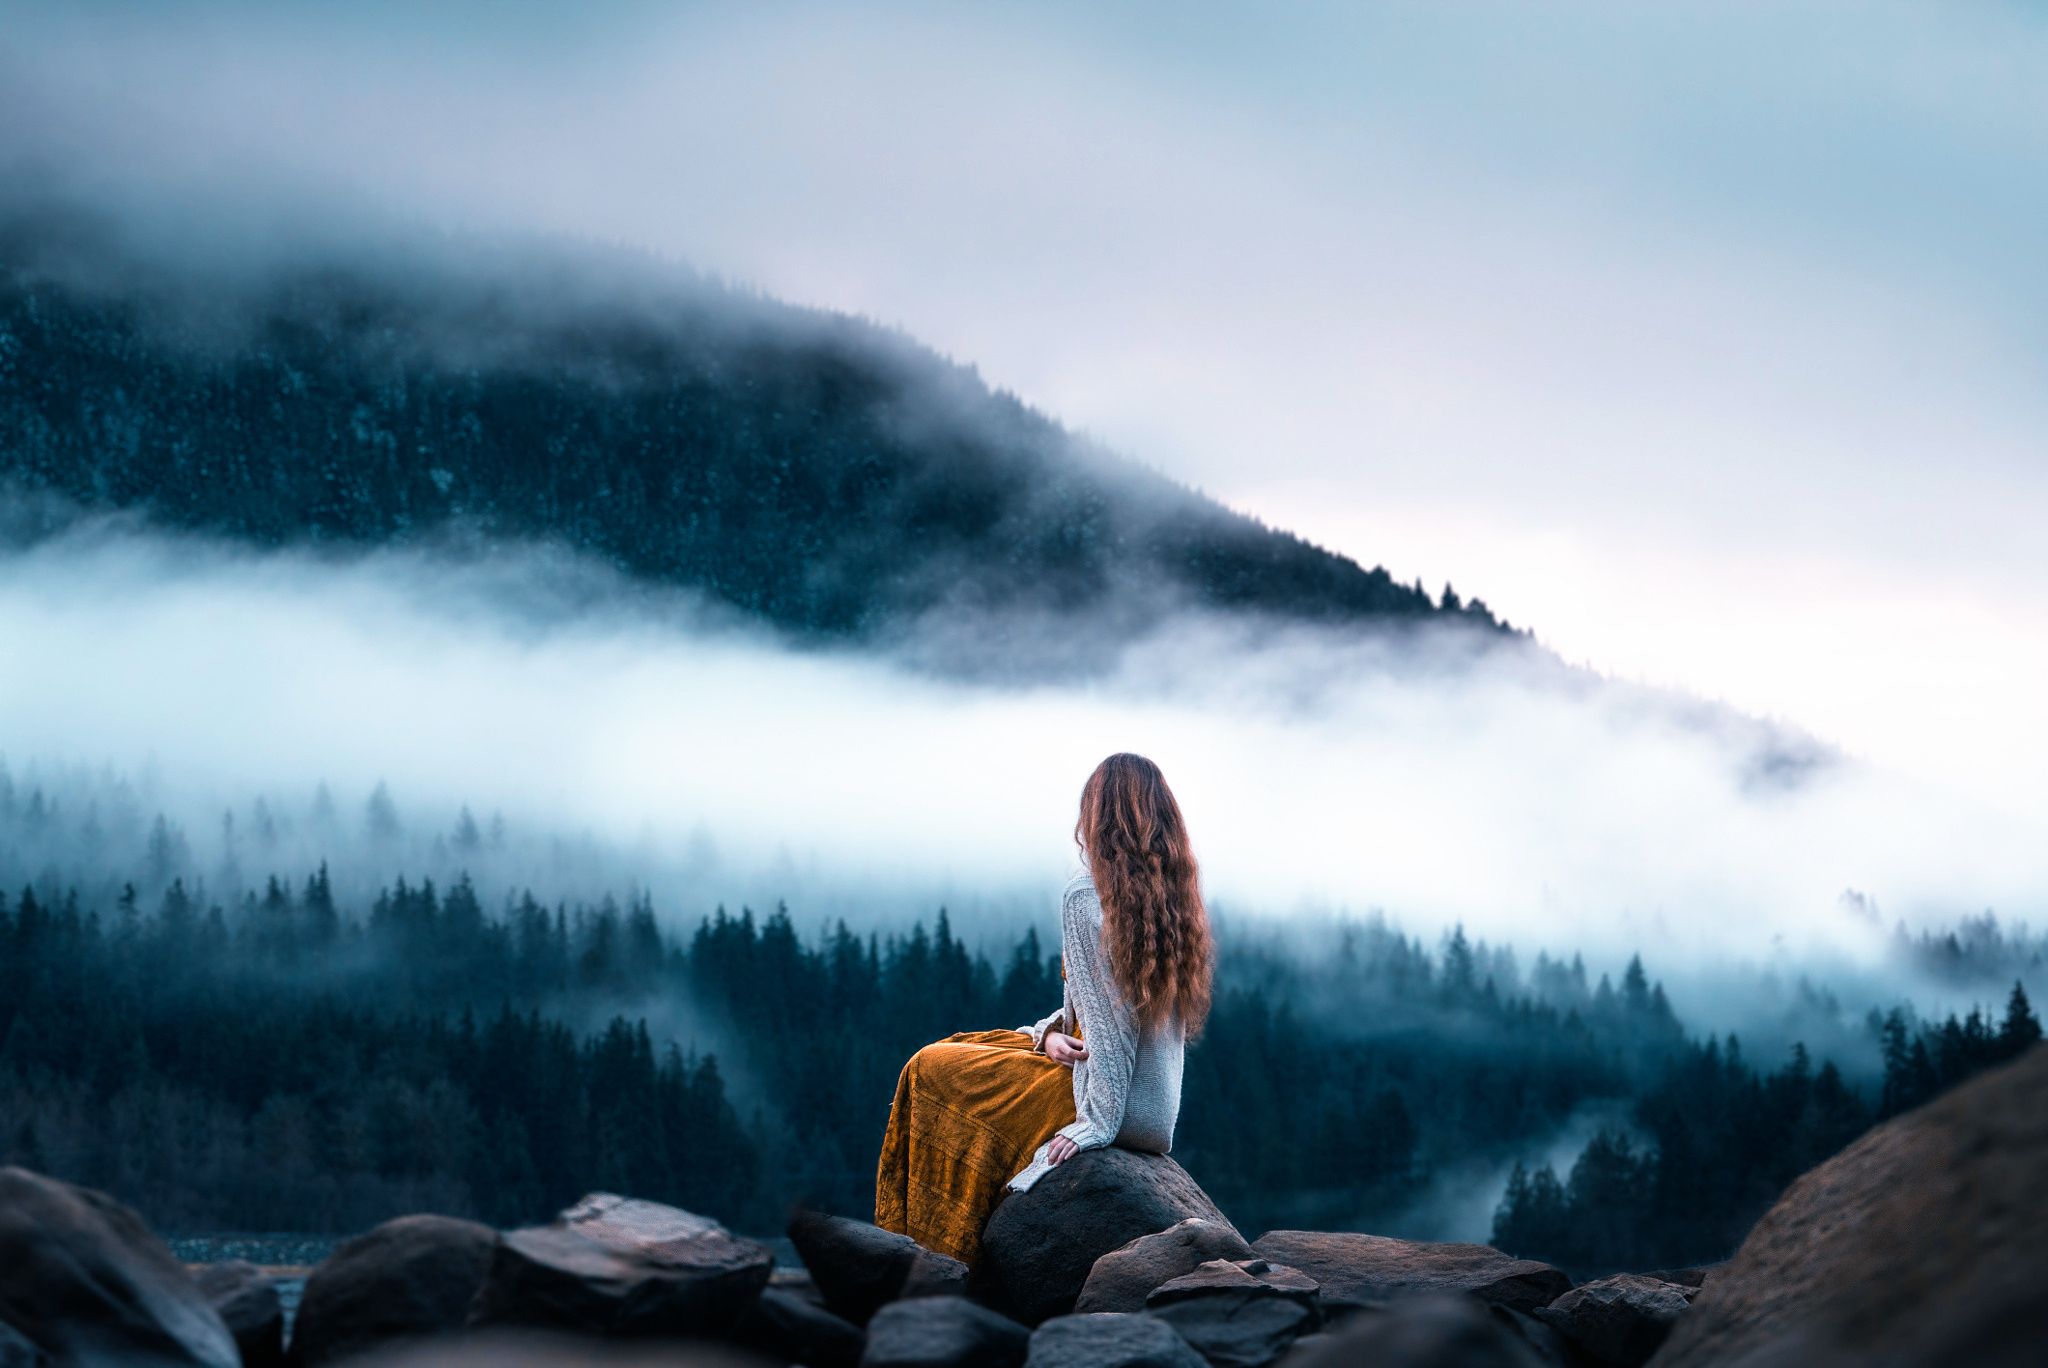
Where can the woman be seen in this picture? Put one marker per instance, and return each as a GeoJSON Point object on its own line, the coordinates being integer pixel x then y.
{"type": "Point", "coordinates": [986, 1110]}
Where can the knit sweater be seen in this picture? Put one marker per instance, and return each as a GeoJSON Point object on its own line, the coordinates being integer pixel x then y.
{"type": "Point", "coordinates": [1127, 1091]}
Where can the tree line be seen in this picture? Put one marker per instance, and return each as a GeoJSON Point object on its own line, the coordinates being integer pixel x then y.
{"type": "Point", "coordinates": [287, 1062]}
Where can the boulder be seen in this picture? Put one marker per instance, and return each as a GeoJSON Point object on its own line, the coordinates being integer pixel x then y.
{"type": "Point", "coordinates": [1123, 1278]}
{"type": "Point", "coordinates": [614, 1265]}
{"type": "Point", "coordinates": [82, 1280]}
{"type": "Point", "coordinates": [1422, 1331]}
{"type": "Point", "coordinates": [943, 1332]}
{"type": "Point", "coordinates": [860, 1268]}
{"type": "Point", "coordinates": [1694, 1277]}
{"type": "Point", "coordinates": [1110, 1339]}
{"type": "Point", "coordinates": [1240, 1314]}
{"type": "Point", "coordinates": [1365, 1269]}
{"type": "Point", "coordinates": [407, 1279]}
{"type": "Point", "coordinates": [1039, 1246]}
{"type": "Point", "coordinates": [249, 1306]}
{"type": "Point", "coordinates": [1916, 1244]}
{"type": "Point", "coordinates": [542, 1349]}
{"type": "Point", "coordinates": [791, 1328]}
{"type": "Point", "coordinates": [17, 1352]}
{"type": "Point", "coordinates": [1618, 1322]}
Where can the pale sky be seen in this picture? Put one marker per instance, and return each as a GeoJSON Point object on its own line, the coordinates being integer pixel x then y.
{"type": "Point", "coordinates": [1708, 341]}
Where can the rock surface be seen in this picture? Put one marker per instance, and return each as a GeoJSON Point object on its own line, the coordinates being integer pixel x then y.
{"type": "Point", "coordinates": [539, 1349]}
{"type": "Point", "coordinates": [1039, 1246]}
{"type": "Point", "coordinates": [1916, 1243]}
{"type": "Point", "coordinates": [1123, 1278]}
{"type": "Point", "coordinates": [83, 1280]}
{"type": "Point", "coordinates": [618, 1266]}
{"type": "Point", "coordinates": [943, 1332]}
{"type": "Point", "coordinates": [1620, 1321]}
{"type": "Point", "coordinates": [249, 1306]}
{"type": "Point", "coordinates": [1366, 1269]}
{"type": "Point", "coordinates": [792, 1329]}
{"type": "Point", "coordinates": [859, 1268]}
{"type": "Point", "coordinates": [406, 1279]}
{"type": "Point", "coordinates": [1423, 1331]}
{"type": "Point", "coordinates": [1240, 1314]}
{"type": "Point", "coordinates": [1108, 1339]}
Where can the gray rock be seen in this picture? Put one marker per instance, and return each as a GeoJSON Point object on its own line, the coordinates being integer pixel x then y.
{"type": "Point", "coordinates": [542, 1349]}
{"type": "Point", "coordinates": [248, 1304]}
{"type": "Point", "coordinates": [82, 1280]}
{"type": "Point", "coordinates": [791, 1328]}
{"type": "Point", "coordinates": [1103, 1339]}
{"type": "Point", "coordinates": [859, 1268]}
{"type": "Point", "coordinates": [1618, 1321]}
{"type": "Point", "coordinates": [16, 1351]}
{"type": "Point", "coordinates": [618, 1266]}
{"type": "Point", "coordinates": [1039, 1247]}
{"type": "Point", "coordinates": [1123, 1278]}
{"type": "Point", "coordinates": [407, 1279]}
{"type": "Point", "coordinates": [1420, 1331]}
{"type": "Point", "coordinates": [943, 1332]}
{"type": "Point", "coordinates": [1241, 1314]}
{"type": "Point", "coordinates": [1367, 1269]}
{"type": "Point", "coordinates": [1920, 1244]}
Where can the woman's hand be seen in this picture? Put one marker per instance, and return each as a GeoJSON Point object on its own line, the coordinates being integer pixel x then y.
{"type": "Point", "coordinates": [1062, 1048]}
{"type": "Point", "coordinates": [1060, 1149]}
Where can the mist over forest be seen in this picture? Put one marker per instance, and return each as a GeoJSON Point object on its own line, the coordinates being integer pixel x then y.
{"type": "Point", "coordinates": [540, 698]}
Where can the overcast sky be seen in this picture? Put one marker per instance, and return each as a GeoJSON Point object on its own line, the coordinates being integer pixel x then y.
{"type": "Point", "coordinates": [1709, 341]}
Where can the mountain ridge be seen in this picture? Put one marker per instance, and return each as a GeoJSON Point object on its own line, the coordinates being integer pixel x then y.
{"type": "Point", "coordinates": [823, 473]}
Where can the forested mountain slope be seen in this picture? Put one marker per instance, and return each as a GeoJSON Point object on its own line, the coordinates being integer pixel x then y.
{"type": "Point", "coordinates": [813, 470]}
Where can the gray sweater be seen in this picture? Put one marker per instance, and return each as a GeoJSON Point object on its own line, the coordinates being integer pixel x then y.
{"type": "Point", "coordinates": [1127, 1091]}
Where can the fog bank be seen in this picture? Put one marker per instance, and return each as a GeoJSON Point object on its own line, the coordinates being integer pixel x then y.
{"type": "Point", "coordinates": [1442, 783]}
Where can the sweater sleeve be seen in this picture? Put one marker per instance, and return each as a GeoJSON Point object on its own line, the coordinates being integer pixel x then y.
{"type": "Point", "coordinates": [1038, 1029]}
{"type": "Point", "coordinates": [1102, 1081]}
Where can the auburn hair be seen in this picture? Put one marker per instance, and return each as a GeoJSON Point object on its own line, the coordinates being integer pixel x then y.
{"type": "Point", "coordinates": [1155, 930]}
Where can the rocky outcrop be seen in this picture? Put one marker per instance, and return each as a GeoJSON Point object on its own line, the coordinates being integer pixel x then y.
{"type": "Point", "coordinates": [248, 1305]}
{"type": "Point", "coordinates": [1422, 1331]}
{"type": "Point", "coordinates": [539, 1349]}
{"type": "Point", "coordinates": [1123, 1278]}
{"type": "Point", "coordinates": [407, 1279]}
{"type": "Point", "coordinates": [82, 1280]}
{"type": "Point", "coordinates": [1110, 1339]}
{"type": "Point", "coordinates": [1921, 1243]}
{"type": "Point", "coordinates": [860, 1268]}
{"type": "Point", "coordinates": [943, 1332]}
{"type": "Point", "coordinates": [1039, 1247]}
{"type": "Point", "coordinates": [614, 1265]}
{"type": "Point", "coordinates": [792, 1329]}
{"type": "Point", "coordinates": [1368, 1269]}
{"type": "Point", "coordinates": [1620, 1321]}
{"type": "Point", "coordinates": [1241, 1314]}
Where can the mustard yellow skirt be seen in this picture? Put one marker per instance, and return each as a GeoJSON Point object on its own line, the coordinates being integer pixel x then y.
{"type": "Point", "coordinates": [969, 1113]}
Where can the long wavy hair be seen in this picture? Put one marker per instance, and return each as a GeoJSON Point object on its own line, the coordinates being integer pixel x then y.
{"type": "Point", "coordinates": [1155, 930]}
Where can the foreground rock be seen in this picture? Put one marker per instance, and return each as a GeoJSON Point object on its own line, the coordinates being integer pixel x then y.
{"type": "Point", "coordinates": [1424, 1331]}
{"type": "Point", "coordinates": [1123, 1278]}
{"type": "Point", "coordinates": [1039, 1246]}
{"type": "Point", "coordinates": [249, 1306]}
{"type": "Point", "coordinates": [943, 1332]}
{"type": "Point", "coordinates": [82, 1280]}
{"type": "Point", "coordinates": [1921, 1243]}
{"type": "Point", "coordinates": [614, 1265]}
{"type": "Point", "coordinates": [1618, 1322]}
{"type": "Point", "coordinates": [1109, 1339]}
{"type": "Point", "coordinates": [789, 1328]}
{"type": "Point", "coordinates": [1239, 1315]}
{"type": "Point", "coordinates": [1367, 1269]}
{"type": "Point", "coordinates": [539, 1349]}
{"type": "Point", "coordinates": [407, 1279]}
{"type": "Point", "coordinates": [860, 1268]}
